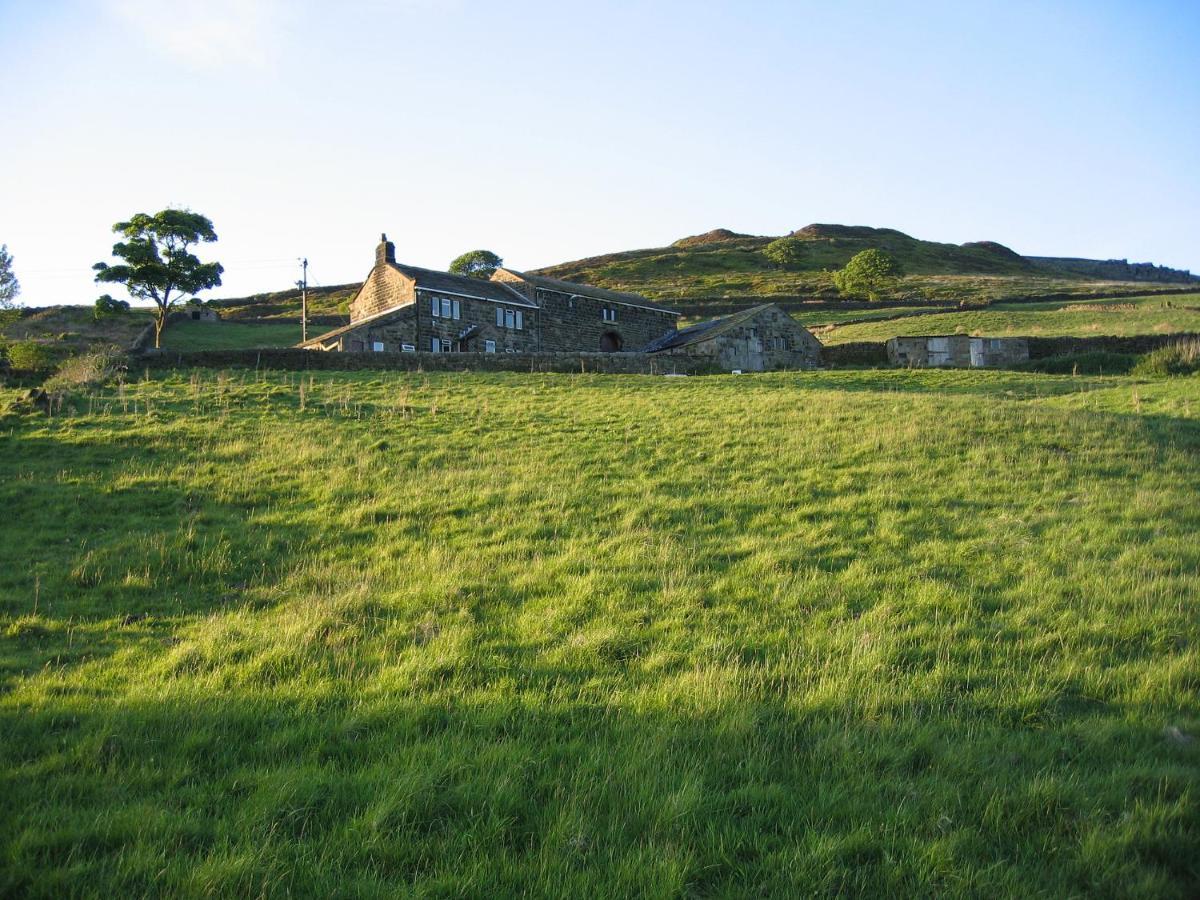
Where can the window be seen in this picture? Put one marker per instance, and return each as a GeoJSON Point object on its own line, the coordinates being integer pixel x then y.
{"type": "Point", "coordinates": [446, 308]}
{"type": "Point", "coordinates": [608, 313]}
{"type": "Point", "coordinates": [457, 309]}
{"type": "Point", "coordinates": [509, 350]}
{"type": "Point", "coordinates": [377, 346]}
{"type": "Point", "coordinates": [447, 345]}
{"type": "Point", "coordinates": [499, 317]}
{"type": "Point", "coordinates": [510, 319]}
{"type": "Point", "coordinates": [435, 346]}
{"type": "Point", "coordinates": [408, 348]}
{"type": "Point", "coordinates": [435, 306]}
{"type": "Point", "coordinates": [520, 323]}
{"type": "Point", "coordinates": [489, 346]}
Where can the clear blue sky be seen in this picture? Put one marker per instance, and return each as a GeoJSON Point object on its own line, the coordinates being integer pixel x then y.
{"type": "Point", "coordinates": [550, 131]}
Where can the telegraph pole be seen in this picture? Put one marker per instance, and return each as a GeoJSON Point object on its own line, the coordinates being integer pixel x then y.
{"type": "Point", "coordinates": [303, 285]}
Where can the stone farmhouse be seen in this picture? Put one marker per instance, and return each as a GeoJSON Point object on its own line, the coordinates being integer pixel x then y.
{"type": "Point", "coordinates": [407, 309]}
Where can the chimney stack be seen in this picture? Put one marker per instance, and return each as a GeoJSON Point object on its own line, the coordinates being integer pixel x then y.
{"type": "Point", "coordinates": [385, 252]}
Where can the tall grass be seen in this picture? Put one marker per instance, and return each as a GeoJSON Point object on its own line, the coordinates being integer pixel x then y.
{"type": "Point", "coordinates": [891, 633]}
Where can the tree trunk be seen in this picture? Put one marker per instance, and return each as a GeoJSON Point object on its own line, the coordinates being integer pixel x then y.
{"type": "Point", "coordinates": [159, 321]}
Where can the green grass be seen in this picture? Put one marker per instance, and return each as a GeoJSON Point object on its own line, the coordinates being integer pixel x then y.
{"type": "Point", "coordinates": [1149, 315]}
{"type": "Point", "coordinates": [190, 335]}
{"type": "Point", "coordinates": [885, 633]}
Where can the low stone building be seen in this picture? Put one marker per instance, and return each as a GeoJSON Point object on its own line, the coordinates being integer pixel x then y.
{"type": "Point", "coordinates": [194, 312]}
{"type": "Point", "coordinates": [956, 351]}
{"type": "Point", "coordinates": [406, 308]}
{"type": "Point", "coordinates": [755, 340]}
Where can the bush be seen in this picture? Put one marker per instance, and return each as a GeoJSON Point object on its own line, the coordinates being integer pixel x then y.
{"type": "Point", "coordinates": [787, 252]}
{"type": "Point", "coordinates": [30, 356]}
{"type": "Point", "coordinates": [1179, 358]}
{"type": "Point", "coordinates": [107, 306]}
{"type": "Point", "coordinates": [86, 370]}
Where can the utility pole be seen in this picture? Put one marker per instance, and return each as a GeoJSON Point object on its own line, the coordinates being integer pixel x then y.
{"type": "Point", "coordinates": [303, 285]}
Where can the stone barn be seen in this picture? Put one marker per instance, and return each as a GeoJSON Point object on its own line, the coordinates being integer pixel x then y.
{"type": "Point", "coordinates": [760, 339]}
{"type": "Point", "coordinates": [956, 351]}
{"type": "Point", "coordinates": [194, 312]}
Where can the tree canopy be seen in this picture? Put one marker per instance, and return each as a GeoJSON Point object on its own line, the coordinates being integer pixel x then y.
{"type": "Point", "coordinates": [10, 288]}
{"type": "Point", "coordinates": [866, 274]}
{"type": "Point", "coordinates": [476, 264]}
{"type": "Point", "coordinates": [158, 263]}
{"type": "Point", "coordinates": [786, 252]}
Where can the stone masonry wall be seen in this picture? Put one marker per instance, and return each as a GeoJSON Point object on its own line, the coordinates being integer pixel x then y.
{"type": "Point", "coordinates": [577, 323]}
{"type": "Point", "coordinates": [384, 288]}
{"type": "Point", "coordinates": [294, 359]}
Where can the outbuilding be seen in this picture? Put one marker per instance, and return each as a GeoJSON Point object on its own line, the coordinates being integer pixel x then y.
{"type": "Point", "coordinates": [759, 339]}
{"type": "Point", "coordinates": [956, 351]}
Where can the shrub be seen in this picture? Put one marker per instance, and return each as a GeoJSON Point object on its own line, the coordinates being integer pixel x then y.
{"type": "Point", "coordinates": [1179, 358]}
{"type": "Point", "coordinates": [867, 274]}
{"type": "Point", "coordinates": [30, 356]}
{"type": "Point", "coordinates": [86, 370]}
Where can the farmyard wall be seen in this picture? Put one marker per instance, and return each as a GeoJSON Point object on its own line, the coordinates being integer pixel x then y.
{"type": "Point", "coordinates": [305, 360]}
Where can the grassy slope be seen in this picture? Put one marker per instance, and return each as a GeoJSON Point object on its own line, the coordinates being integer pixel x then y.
{"type": "Point", "coordinates": [75, 328]}
{"type": "Point", "coordinates": [875, 633]}
{"type": "Point", "coordinates": [224, 335]}
{"type": "Point", "coordinates": [735, 266]}
{"type": "Point", "coordinates": [1144, 315]}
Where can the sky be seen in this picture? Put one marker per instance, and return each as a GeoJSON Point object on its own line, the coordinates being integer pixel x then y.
{"type": "Point", "coordinates": [551, 131]}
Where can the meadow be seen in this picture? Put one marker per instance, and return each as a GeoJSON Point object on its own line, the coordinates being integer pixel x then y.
{"type": "Point", "coordinates": [871, 633]}
{"type": "Point", "coordinates": [233, 335]}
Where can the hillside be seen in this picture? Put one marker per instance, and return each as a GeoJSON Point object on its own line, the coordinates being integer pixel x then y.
{"type": "Point", "coordinates": [722, 263]}
{"type": "Point", "coordinates": [442, 635]}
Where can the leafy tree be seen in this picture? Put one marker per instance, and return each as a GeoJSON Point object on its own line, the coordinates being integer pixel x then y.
{"type": "Point", "coordinates": [10, 288]}
{"type": "Point", "coordinates": [787, 252]}
{"type": "Point", "coordinates": [476, 264]}
{"type": "Point", "coordinates": [107, 305]}
{"type": "Point", "coordinates": [158, 262]}
{"type": "Point", "coordinates": [867, 274]}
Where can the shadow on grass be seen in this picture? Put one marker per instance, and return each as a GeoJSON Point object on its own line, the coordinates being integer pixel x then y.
{"type": "Point", "coordinates": [362, 793]}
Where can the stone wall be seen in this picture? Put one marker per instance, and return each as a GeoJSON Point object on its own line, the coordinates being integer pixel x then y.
{"type": "Point", "coordinates": [854, 355]}
{"type": "Point", "coordinates": [293, 359]}
{"type": "Point", "coordinates": [1043, 347]}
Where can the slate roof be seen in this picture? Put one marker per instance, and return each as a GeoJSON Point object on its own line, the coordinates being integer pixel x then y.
{"type": "Point", "coordinates": [588, 290]}
{"type": "Point", "coordinates": [444, 282]}
{"type": "Point", "coordinates": [704, 331]}
{"type": "Point", "coordinates": [365, 320]}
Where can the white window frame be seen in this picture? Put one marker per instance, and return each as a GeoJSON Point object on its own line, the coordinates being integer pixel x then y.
{"type": "Point", "coordinates": [377, 346]}
{"type": "Point", "coordinates": [408, 348]}
{"type": "Point", "coordinates": [447, 308]}
{"type": "Point", "coordinates": [520, 321]}
{"type": "Point", "coordinates": [510, 319]}
{"type": "Point", "coordinates": [608, 313]}
{"type": "Point", "coordinates": [489, 346]}
{"type": "Point", "coordinates": [447, 345]}
{"type": "Point", "coordinates": [499, 316]}
{"type": "Point", "coordinates": [435, 307]}
{"type": "Point", "coordinates": [435, 346]}
{"type": "Point", "coordinates": [456, 309]}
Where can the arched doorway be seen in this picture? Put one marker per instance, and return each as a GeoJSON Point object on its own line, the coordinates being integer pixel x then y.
{"type": "Point", "coordinates": [610, 342]}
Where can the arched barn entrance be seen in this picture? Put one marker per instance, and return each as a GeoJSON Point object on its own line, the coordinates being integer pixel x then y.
{"type": "Point", "coordinates": [610, 342]}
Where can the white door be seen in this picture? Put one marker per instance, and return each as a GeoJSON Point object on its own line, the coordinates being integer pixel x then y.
{"type": "Point", "coordinates": [978, 358]}
{"type": "Point", "coordinates": [938, 351]}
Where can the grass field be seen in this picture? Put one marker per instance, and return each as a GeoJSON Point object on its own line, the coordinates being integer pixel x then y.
{"type": "Point", "coordinates": [190, 335]}
{"type": "Point", "coordinates": [882, 633]}
{"type": "Point", "coordinates": [1128, 316]}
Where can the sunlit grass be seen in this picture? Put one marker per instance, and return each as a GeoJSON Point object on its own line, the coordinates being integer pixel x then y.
{"type": "Point", "coordinates": [887, 633]}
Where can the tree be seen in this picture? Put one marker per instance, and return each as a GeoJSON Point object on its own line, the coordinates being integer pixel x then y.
{"type": "Point", "coordinates": [158, 262]}
{"type": "Point", "coordinates": [476, 264]}
{"type": "Point", "coordinates": [10, 288]}
{"type": "Point", "coordinates": [867, 274]}
{"type": "Point", "coordinates": [107, 305]}
{"type": "Point", "coordinates": [787, 252]}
